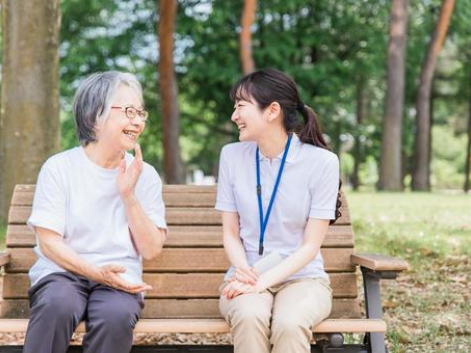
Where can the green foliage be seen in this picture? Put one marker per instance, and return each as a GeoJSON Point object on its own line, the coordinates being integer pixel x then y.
{"type": "Point", "coordinates": [449, 155]}
{"type": "Point", "coordinates": [328, 47]}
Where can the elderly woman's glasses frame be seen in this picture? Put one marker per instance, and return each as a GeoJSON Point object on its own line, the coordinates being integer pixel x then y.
{"type": "Point", "coordinates": [132, 112]}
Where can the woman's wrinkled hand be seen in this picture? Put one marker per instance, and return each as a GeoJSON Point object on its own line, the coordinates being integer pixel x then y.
{"type": "Point", "coordinates": [109, 275]}
{"type": "Point", "coordinates": [127, 177]}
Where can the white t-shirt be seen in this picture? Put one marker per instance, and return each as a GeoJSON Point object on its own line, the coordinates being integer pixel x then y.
{"type": "Point", "coordinates": [80, 201]}
{"type": "Point", "coordinates": [308, 189]}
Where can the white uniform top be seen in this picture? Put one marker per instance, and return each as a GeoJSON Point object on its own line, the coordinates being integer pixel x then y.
{"type": "Point", "coordinates": [308, 189]}
{"type": "Point", "coordinates": [80, 201]}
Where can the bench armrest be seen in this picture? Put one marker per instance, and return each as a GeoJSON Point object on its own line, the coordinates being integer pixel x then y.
{"type": "Point", "coordinates": [375, 267]}
{"type": "Point", "coordinates": [379, 263]}
{"type": "Point", "coordinates": [4, 258]}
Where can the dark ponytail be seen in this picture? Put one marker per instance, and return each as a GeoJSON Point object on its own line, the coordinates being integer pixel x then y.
{"type": "Point", "coordinates": [267, 86]}
{"type": "Point", "coordinates": [311, 133]}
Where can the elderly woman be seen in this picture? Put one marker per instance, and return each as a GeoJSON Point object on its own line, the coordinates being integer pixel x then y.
{"type": "Point", "coordinates": [97, 210]}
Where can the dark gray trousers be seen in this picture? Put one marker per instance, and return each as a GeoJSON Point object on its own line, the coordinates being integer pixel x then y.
{"type": "Point", "coordinates": [61, 300]}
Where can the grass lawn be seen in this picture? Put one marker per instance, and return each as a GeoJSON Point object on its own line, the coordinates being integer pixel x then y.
{"type": "Point", "coordinates": [428, 309]}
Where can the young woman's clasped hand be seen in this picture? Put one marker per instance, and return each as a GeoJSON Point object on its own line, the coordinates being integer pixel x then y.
{"type": "Point", "coordinates": [244, 281]}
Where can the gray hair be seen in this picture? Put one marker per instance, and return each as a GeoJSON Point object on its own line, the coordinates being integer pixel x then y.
{"type": "Point", "coordinates": [92, 103]}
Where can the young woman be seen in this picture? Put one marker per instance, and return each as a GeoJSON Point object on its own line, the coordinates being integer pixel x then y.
{"type": "Point", "coordinates": [277, 191]}
{"type": "Point", "coordinates": [97, 211]}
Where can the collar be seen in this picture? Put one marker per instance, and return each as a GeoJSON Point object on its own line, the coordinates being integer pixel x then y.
{"type": "Point", "coordinates": [292, 153]}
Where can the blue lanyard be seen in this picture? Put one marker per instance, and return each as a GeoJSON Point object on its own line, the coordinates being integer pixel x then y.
{"type": "Point", "coordinates": [264, 221]}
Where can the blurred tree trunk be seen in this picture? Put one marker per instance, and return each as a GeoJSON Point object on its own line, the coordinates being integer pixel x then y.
{"type": "Point", "coordinates": [173, 166]}
{"type": "Point", "coordinates": [421, 160]}
{"type": "Point", "coordinates": [360, 115]}
{"type": "Point", "coordinates": [29, 122]}
{"type": "Point", "coordinates": [246, 57]}
{"type": "Point", "coordinates": [390, 174]}
{"type": "Point", "coordinates": [467, 168]}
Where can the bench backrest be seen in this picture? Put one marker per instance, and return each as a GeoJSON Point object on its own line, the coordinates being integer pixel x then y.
{"type": "Point", "coordinates": [187, 274]}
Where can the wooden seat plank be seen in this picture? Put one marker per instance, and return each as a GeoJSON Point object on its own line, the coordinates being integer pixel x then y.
{"type": "Point", "coordinates": [174, 216]}
{"type": "Point", "coordinates": [194, 196]}
{"type": "Point", "coordinates": [338, 236]}
{"type": "Point", "coordinates": [196, 260]}
{"type": "Point", "coordinates": [181, 308]}
{"type": "Point", "coordinates": [181, 285]}
{"type": "Point", "coordinates": [215, 326]}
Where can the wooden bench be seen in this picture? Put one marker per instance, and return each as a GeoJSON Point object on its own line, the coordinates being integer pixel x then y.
{"type": "Point", "coordinates": [186, 276]}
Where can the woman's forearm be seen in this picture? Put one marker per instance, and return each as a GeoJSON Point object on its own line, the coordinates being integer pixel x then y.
{"type": "Point", "coordinates": [314, 234]}
{"type": "Point", "coordinates": [235, 251]}
{"type": "Point", "coordinates": [54, 248]}
{"type": "Point", "coordinates": [148, 239]}
{"type": "Point", "coordinates": [231, 239]}
{"type": "Point", "coordinates": [287, 267]}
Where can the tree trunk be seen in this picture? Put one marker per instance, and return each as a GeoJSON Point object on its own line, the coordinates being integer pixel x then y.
{"type": "Point", "coordinates": [173, 166]}
{"type": "Point", "coordinates": [421, 166]}
{"type": "Point", "coordinates": [29, 122]}
{"type": "Point", "coordinates": [357, 148]}
{"type": "Point", "coordinates": [390, 175]}
{"type": "Point", "coordinates": [467, 168]}
{"type": "Point", "coordinates": [248, 15]}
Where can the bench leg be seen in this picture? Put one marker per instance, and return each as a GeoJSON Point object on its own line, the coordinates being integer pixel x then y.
{"type": "Point", "coordinates": [373, 307]}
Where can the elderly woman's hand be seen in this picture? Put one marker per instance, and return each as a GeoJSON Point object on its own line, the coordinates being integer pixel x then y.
{"type": "Point", "coordinates": [109, 276]}
{"type": "Point", "coordinates": [127, 177]}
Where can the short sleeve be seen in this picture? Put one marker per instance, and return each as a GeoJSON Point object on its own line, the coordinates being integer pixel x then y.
{"type": "Point", "coordinates": [49, 200]}
{"type": "Point", "coordinates": [151, 197]}
{"type": "Point", "coordinates": [324, 192]}
{"type": "Point", "coordinates": [225, 200]}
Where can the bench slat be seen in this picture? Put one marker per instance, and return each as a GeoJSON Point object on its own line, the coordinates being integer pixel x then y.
{"type": "Point", "coordinates": [196, 260]}
{"type": "Point", "coordinates": [181, 308]}
{"type": "Point", "coordinates": [174, 216]}
{"type": "Point", "coordinates": [338, 236]}
{"type": "Point", "coordinates": [195, 196]}
{"type": "Point", "coordinates": [179, 285]}
{"type": "Point", "coordinates": [171, 199]}
{"type": "Point", "coordinates": [216, 326]}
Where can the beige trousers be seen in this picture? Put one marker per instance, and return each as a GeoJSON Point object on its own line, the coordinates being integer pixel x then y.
{"type": "Point", "coordinates": [279, 320]}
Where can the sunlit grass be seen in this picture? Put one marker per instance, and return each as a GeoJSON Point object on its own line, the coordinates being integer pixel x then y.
{"type": "Point", "coordinates": [412, 224]}
{"type": "Point", "coordinates": [427, 309]}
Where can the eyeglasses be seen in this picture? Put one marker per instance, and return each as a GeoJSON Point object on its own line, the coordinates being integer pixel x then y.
{"type": "Point", "coordinates": [132, 112]}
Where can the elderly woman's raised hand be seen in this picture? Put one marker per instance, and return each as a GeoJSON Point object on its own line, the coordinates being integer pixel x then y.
{"type": "Point", "coordinates": [127, 177]}
{"type": "Point", "coordinates": [109, 276]}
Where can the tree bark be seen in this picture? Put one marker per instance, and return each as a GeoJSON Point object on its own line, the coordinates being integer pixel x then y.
{"type": "Point", "coordinates": [421, 161]}
{"type": "Point", "coordinates": [357, 148]}
{"type": "Point", "coordinates": [173, 166]}
{"type": "Point", "coordinates": [467, 168]}
{"type": "Point", "coordinates": [246, 57]}
{"type": "Point", "coordinates": [390, 175]}
{"type": "Point", "coordinates": [29, 121]}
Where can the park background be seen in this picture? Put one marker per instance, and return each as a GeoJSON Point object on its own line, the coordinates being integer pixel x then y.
{"type": "Point", "coordinates": [390, 81]}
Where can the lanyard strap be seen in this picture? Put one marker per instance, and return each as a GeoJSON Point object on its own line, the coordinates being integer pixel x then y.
{"type": "Point", "coordinates": [264, 221]}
